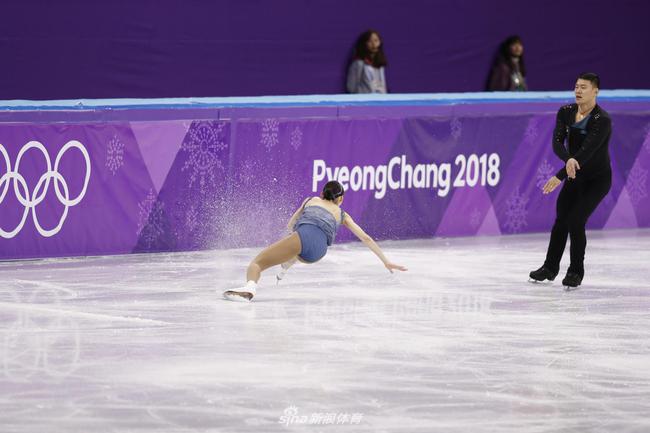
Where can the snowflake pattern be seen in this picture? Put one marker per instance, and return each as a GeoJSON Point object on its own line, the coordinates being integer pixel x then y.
{"type": "Point", "coordinates": [193, 222]}
{"type": "Point", "coordinates": [516, 212]}
{"type": "Point", "coordinates": [456, 128]}
{"type": "Point", "coordinates": [247, 173]}
{"type": "Point", "coordinates": [150, 219]}
{"type": "Point", "coordinates": [203, 141]}
{"type": "Point", "coordinates": [636, 184]}
{"type": "Point", "coordinates": [475, 219]}
{"type": "Point", "coordinates": [296, 138]}
{"type": "Point", "coordinates": [114, 155]}
{"type": "Point", "coordinates": [532, 131]}
{"type": "Point", "coordinates": [544, 173]}
{"type": "Point", "coordinates": [191, 218]}
{"type": "Point", "coordinates": [269, 136]}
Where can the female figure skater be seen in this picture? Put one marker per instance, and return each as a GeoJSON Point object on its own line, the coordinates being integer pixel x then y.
{"type": "Point", "coordinates": [589, 173]}
{"type": "Point", "coordinates": [314, 226]}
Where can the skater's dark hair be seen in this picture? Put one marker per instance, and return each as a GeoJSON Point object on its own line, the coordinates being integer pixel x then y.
{"type": "Point", "coordinates": [332, 190]}
{"type": "Point", "coordinates": [591, 77]}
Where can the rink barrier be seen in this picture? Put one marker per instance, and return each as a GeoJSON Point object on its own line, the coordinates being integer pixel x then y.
{"type": "Point", "coordinates": [95, 177]}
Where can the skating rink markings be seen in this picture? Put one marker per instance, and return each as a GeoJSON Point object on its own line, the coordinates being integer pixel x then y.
{"type": "Point", "coordinates": [461, 342]}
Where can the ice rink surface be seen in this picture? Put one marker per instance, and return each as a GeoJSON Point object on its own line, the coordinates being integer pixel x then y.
{"type": "Point", "coordinates": [459, 343]}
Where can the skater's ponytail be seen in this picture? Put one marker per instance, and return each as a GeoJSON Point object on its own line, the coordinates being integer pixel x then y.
{"type": "Point", "coordinates": [332, 190]}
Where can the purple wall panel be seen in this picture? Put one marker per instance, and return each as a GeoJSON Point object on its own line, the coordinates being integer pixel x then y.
{"type": "Point", "coordinates": [186, 184]}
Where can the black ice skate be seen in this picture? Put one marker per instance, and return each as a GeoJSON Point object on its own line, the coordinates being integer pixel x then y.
{"type": "Point", "coordinates": [571, 280]}
{"type": "Point", "coordinates": [542, 274]}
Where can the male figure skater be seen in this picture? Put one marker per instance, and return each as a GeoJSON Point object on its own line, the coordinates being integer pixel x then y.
{"type": "Point", "coordinates": [587, 177]}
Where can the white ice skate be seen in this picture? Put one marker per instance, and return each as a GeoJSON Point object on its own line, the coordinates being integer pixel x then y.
{"type": "Point", "coordinates": [242, 294]}
{"type": "Point", "coordinates": [284, 268]}
{"type": "Point", "coordinates": [280, 275]}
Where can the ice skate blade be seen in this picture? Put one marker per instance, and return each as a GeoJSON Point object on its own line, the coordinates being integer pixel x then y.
{"type": "Point", "coordinates": [571, 288]}
{"type": "Point", "coordinates": [544, 282]}
{"type": "Point", "coordinates": [234, 296]}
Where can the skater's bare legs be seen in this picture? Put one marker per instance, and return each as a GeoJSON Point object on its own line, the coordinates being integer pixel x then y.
{"type": "Point", "coordinates": [289, 263]}
{"type": "Point", "coordinates": [281, 252]}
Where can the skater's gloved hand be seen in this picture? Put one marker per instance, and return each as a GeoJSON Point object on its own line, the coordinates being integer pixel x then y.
{"type": "Point", "coordinates": [551, 184]}
{"type": "Point", "coordinates": [392, 266]}
{"type": "Point", "coordinates": [572, 167]}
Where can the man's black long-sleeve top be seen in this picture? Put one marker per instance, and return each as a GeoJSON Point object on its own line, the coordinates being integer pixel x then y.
{"type": "Point", "coordinates": [589, 147]}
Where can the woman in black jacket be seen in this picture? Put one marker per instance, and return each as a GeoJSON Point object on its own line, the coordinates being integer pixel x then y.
{"type": "Point", "coordinates": [508, 70]}
{"type": "Point", "coordinates": [587, 177]}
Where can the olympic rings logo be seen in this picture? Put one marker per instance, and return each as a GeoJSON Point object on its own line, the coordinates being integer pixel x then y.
{"type": "Point", "coordinates": [33, 199]}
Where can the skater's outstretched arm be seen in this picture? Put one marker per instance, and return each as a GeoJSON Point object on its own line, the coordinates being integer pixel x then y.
{"type": "Point", "coordinates": [370, 243]}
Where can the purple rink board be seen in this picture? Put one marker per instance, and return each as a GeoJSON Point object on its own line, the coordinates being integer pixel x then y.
{"type": "Point", "coordinates": [178, 178]}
